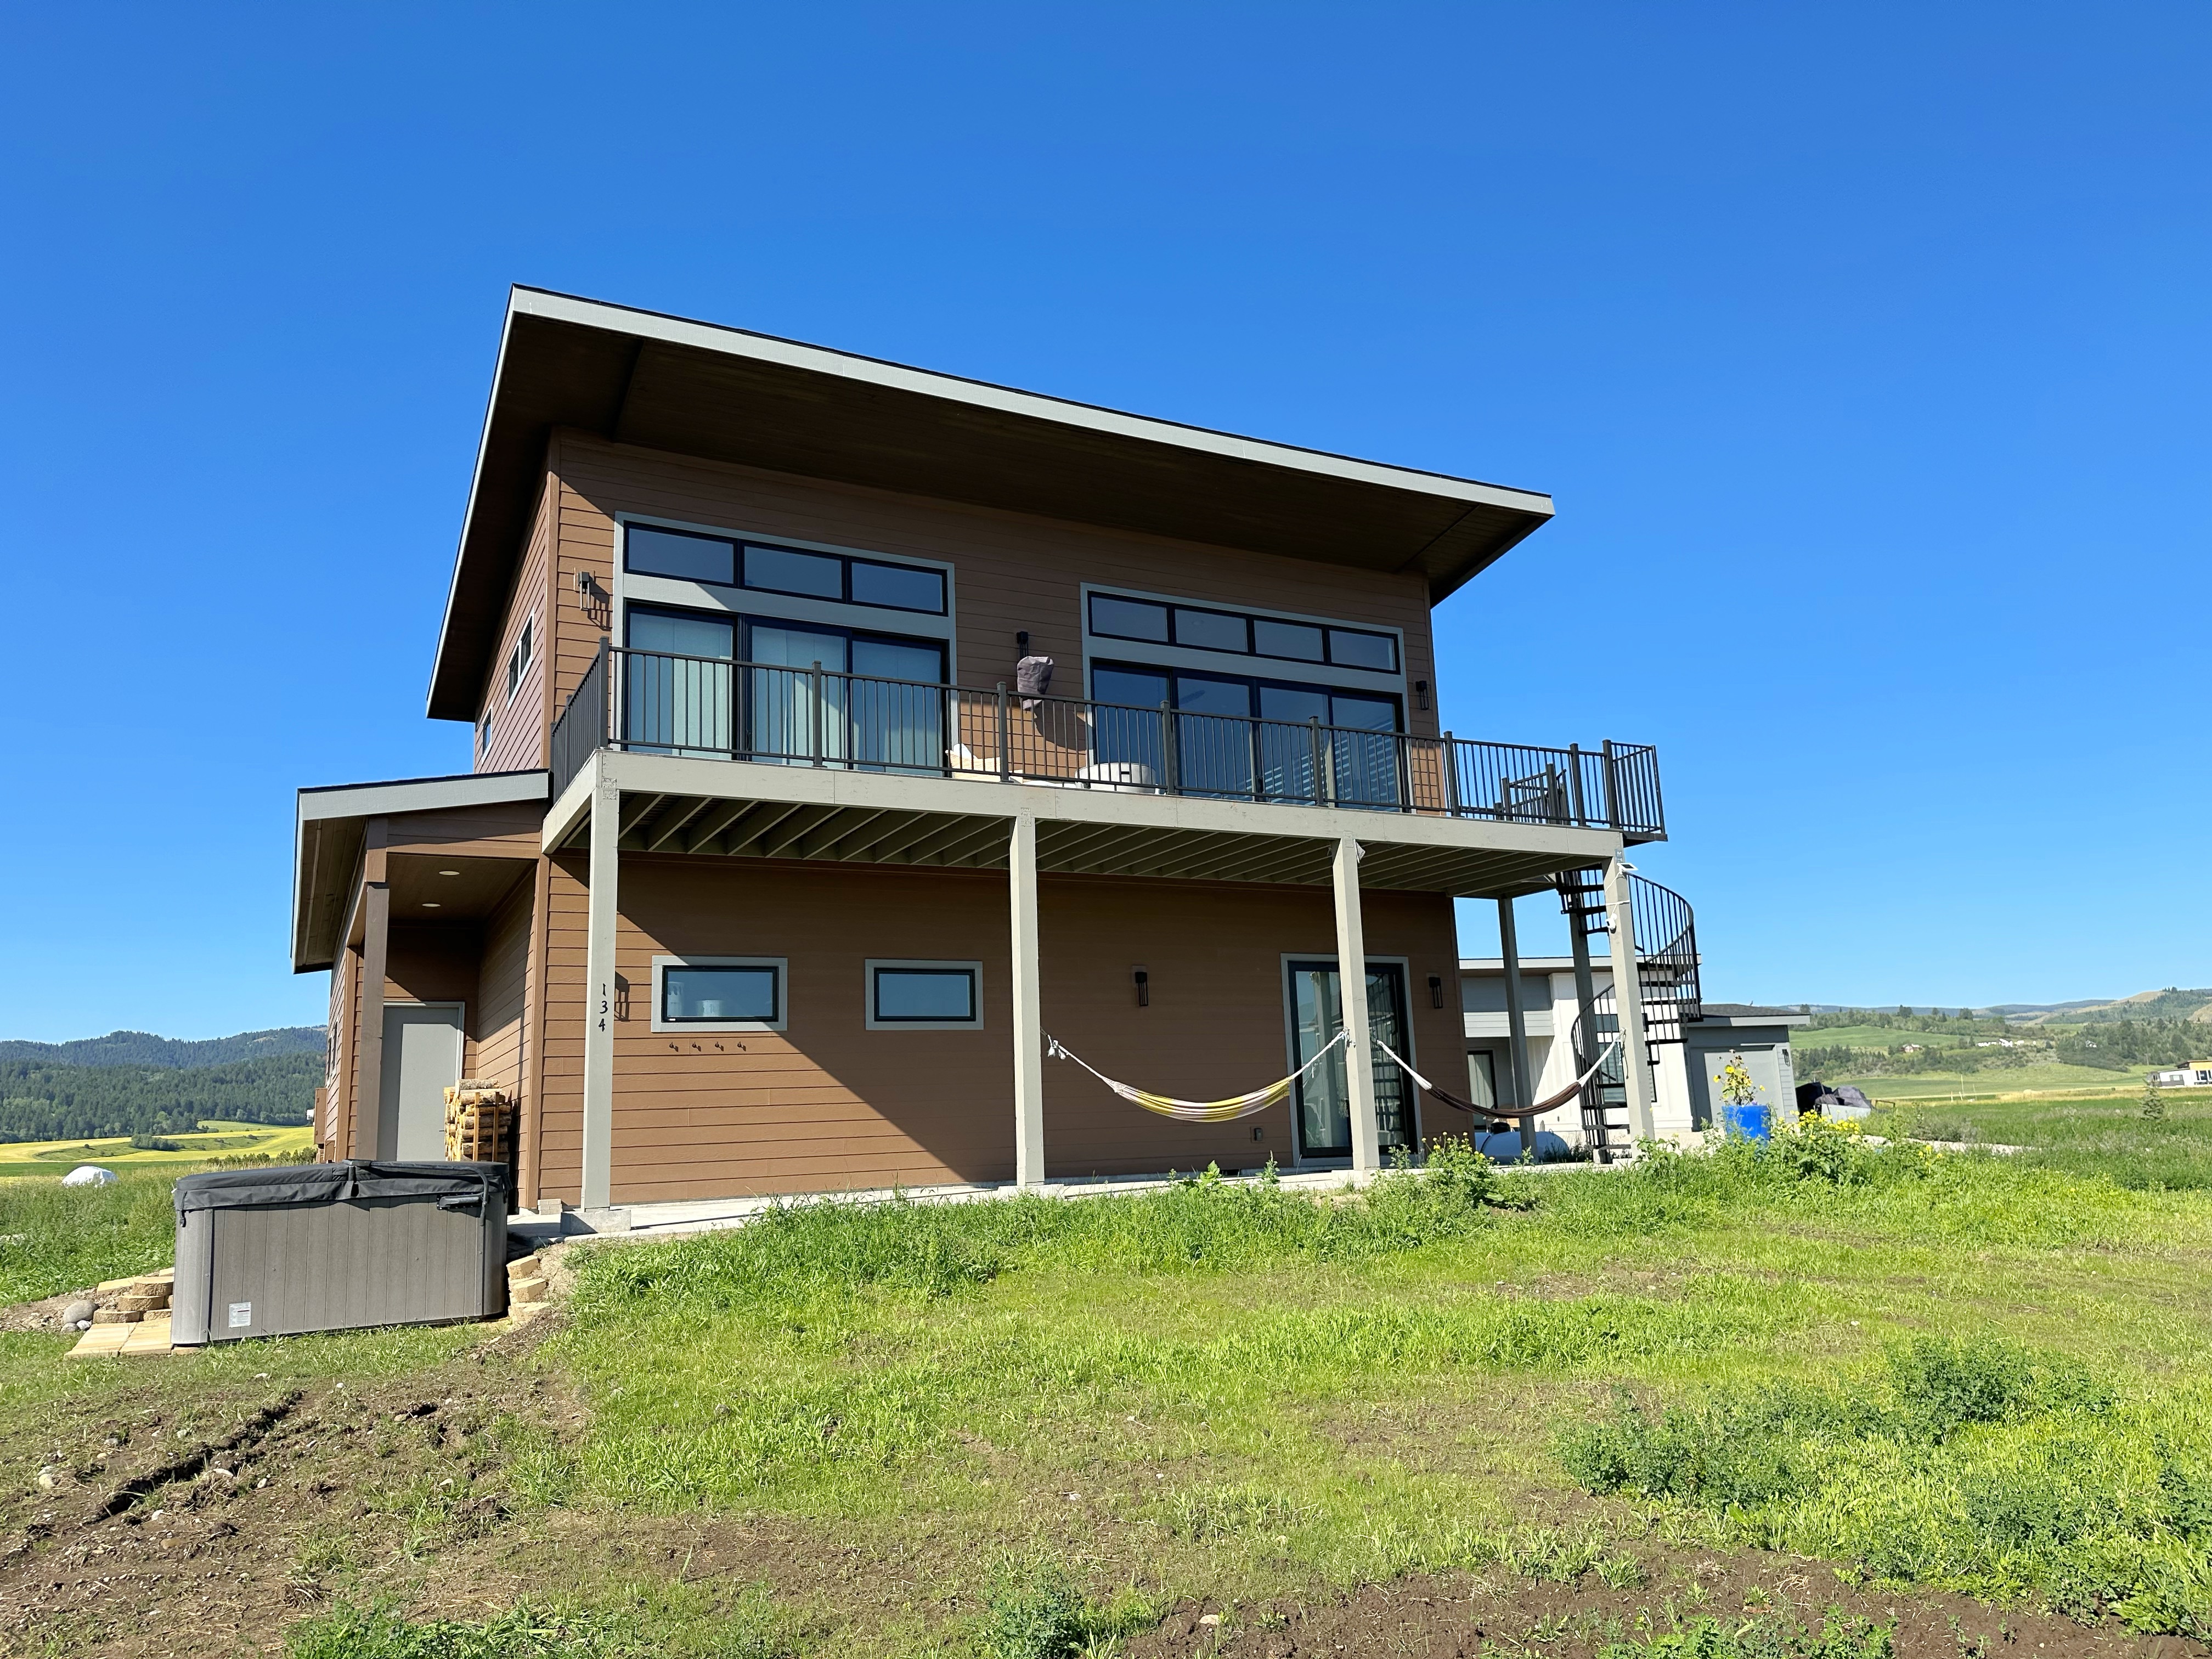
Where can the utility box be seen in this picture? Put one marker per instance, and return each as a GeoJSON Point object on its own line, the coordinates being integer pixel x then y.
{"type": "Point", "coordinates": [338, 1246]}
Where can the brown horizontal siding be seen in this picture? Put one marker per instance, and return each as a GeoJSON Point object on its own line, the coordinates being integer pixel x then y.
{"type": "Point", "coordinates": [827, 1104]}
{"type": "Point", "coordinates": [437, 962]}
{"type": "Point", "coordinates": [501, 989]}
{"type": "Point", "coordinates": [517, 723]}
{"type": "Point", "coordinates": [1012, 571]}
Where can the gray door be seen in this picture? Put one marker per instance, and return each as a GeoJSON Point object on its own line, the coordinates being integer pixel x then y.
{"type": "Point", "coordinates": [422, 1060]}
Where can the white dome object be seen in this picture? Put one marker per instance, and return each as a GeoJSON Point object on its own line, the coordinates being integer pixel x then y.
{"type": "Point", "coordinates": [89, 1175]}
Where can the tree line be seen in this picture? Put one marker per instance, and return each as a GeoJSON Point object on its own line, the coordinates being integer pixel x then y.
{"type": "Point", "coordinates": [43, 1101]}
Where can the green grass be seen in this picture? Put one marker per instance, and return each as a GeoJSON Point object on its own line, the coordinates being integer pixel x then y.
{"type": "Point", "coordinates": [1191, 1359]}
{"type": "Point", "coordinates": [2106, 1135]}
{"type": "Point", "coordinates": [1997, 1080]}
{"type": "Point", "coordinates": [1980, 1373]}
{"type": "Point", "coordinates": [54, 1239]}
{"type": "Point", "coordinates": [645, 1620]}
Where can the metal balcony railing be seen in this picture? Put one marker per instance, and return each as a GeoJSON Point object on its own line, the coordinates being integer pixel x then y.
{"type": "Point", "coordinates": [653, 702]}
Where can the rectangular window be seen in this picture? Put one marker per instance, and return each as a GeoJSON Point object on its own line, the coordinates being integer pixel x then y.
{"type": "Point", "coordinates": [518, 660]}
{"type": "Point", "coordinates": [1350, 649]}
{"type": "Point", "coordinates": [718, 994]}
{"type": "Point", "coordinates": [928, 996]}
{"type": "Point", "coordinates": [680, 554]}
{"type": "Point", "coordinates": [779, 570]}
{"type": "Point", "coordinates": [1210, 630]}
{"type": "Point", "coordinates": [898, 587]}
{"type": "Point", "coordinates": [1128, 619]}
{"type": "Point", "coordinates": [1298, 641]}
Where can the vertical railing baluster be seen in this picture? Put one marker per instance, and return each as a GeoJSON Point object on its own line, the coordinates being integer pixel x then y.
{"type": "Point", "coordinates": [1449, 762]}
{"type": "Point", "coordinates": [1609, 770]}
{"type": "Point", "coordinates": [1005, 733]}
{"type": "Point", "coordinates": [1170, 767]}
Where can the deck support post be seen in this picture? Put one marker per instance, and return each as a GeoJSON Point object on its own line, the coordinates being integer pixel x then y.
{"type": "Point", "coordinates": [1352, 980]}
{"type": "Point", "coordinates": [605, 867]}
{"type": "Point", "coordinates": [1516, 1022]}
{"type": "Point", "coordinates": [365, 1133]}
{"type": "Point", "coordinates": [1586, 1010]}
{"type": "Point", "coordinates": [1029, 1015]}
{"type": "Point", "coordinates": [1628, 1000]}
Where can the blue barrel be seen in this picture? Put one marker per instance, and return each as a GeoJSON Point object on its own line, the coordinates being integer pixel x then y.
{"type": "Point", "coordinates": [1751, 1122]}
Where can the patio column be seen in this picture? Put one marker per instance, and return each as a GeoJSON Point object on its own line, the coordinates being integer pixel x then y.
{"type": "Point", "coordinates": [1029, 1016]}
{"type": "Point", "coordinates": [363, 1134]}
{"type": "Point", "coordinates": [1352, 980]}
{"type": "Point", "coordinates": [1517, 1022]}
{"type": "Point", "coordinates": [1585, 999]}
{"type": "Point", "coordinates": [599, 991]}
{"type": "Point", "coordinates": [1628, 999]}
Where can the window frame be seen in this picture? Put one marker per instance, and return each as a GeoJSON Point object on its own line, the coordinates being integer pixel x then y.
{"type": "Point", "coordinates": [661, 965]}
{"type": "Point", "coordinates": [844, 559]}
{"type": "Point", "coordinates": [1171, 608]}
{"type": "Point", "coordinates": [520, 656]}
{"type": "Point", "coordinates": [1253, 683]}
{"type": "Point", "coordinates": [870, 967]}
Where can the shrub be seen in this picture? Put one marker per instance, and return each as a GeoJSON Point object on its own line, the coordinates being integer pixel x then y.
{"type": "Point", "coordinates": [1034, 1609]}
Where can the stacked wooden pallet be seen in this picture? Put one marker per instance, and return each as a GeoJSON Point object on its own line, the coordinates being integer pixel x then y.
{"type": "Point", "coordinates": [479, 1121]}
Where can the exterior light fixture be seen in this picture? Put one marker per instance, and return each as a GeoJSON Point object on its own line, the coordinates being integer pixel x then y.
{"type": "Point", "coordinates": [1143, 987]}
{"type": "Point", "coordinates": [432, 904]}
{"type": "Point", "coordinates": [1435, 990]}
{"type": "Point", "coordinates": [1420, 694]}
{"type": "Point", "coordinates": [1021, 641]}
{"type": "Point", "coordinates": [449, 872]}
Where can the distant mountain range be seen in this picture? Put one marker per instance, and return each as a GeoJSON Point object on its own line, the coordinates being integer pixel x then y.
{"type": "Point", "coordinates": [145, 1048]}
{"type": "Point", "coordinates": [2173, 1003]}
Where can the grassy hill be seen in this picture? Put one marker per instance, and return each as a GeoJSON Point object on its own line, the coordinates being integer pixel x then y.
{"type": "Point", "coordinates": [284, 1144]}
{"type": "Point", "coordinates": [42, 1100]}
{"type": "Point", "coordinates": [145, 1048]}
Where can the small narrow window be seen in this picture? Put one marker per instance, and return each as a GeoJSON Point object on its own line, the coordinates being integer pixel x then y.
{"type": "Point", "coordinates": [1298, 641]}
{"type": "Point", "coordinates": [1128, 619]}
{"type": "Point", "coordinates": [518, 660]}
{"type": "Point", "coordinates": [779, 570]}
{"type": "Point", "coordinates": [939, 996]}
{"type": "Point", "coordinates": [1210, 630]}
{"type": "Point", "coordinates": [1354, 650]}
{"type": "Point", "coordinates": [483, 734]}
{"type": "Point", "coordinates": [681, 555]}
{"type": "Point", "coordinates": [718, 994]}
{"type": "Point", "coordinates": [898, 587]}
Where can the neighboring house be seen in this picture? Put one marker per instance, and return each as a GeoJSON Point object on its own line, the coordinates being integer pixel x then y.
{"type": "Point", "coordinates": [1687, 1073]}
{"type": "Point", "coordinates": [2188, 1077]}
{"type": "Point", "coordinates": [842, 729]}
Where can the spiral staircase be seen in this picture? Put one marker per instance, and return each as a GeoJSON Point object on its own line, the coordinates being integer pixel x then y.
{"type": "Point", "coordinates": [1667, 985]}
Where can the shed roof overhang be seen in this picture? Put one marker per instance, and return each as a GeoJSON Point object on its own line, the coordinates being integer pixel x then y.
{"type": "Point", "coordinates": [333, 826]}
{"type": "Point", "coordinates": [639, 377]}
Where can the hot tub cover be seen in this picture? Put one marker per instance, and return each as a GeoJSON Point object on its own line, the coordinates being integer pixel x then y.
{"type": "Point", "coordinates": [456, 1185]}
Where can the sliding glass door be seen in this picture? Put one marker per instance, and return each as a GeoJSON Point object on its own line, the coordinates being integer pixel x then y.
{"type": "Point", "coordinates": [1322, 1098]}
{"type": "Point", "coordinates": [678, 685]}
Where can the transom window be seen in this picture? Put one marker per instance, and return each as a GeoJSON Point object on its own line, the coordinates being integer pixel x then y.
{"type": "Point", "coordinates": [939, 996]}
{"type": "Point", "coordinates": [728, 561]}
{"type": "Point", "coordinates": [1201, 628]}
{"type": "Point", "coordinates": [718, 994]}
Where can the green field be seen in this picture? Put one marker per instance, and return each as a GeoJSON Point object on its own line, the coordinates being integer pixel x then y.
{"type": "Point", "coordinates": [215, 1139]}
{"type": "Point", "coordinates": [1034, 1428]}
{"type": "Point", "coordinates": [2105, 1136]}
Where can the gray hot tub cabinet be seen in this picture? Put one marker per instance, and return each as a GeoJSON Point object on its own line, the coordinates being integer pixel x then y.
{"type": "Point", "coordinates": [335, 1247]}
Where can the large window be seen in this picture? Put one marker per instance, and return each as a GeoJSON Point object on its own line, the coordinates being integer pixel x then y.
{"type": "Point", "coordinates": [718, 994]}
{"type": "Point", "coordinates": [1225, 734]}
{"type": "Point", "coordinates": [925, 996]}
{"type": "Point", "coordinates": [1202, 627]}
{"type": "Point", "coordinates": [728, 561]}
{"type": "Point", "coordinates": [876, 703]}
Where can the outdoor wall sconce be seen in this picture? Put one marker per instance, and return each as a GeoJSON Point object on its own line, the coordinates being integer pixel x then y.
{"type": "Point", "coordinates": [1259, 1134]}
{"type": "Point", "coordinates": [1420, 694]}
{"type": "Point", "coordinates": [1143, 987]}
{"type": "Point", "coordinates": [1021, 641]}
{"type": "Point", "coordinates": [1435, 990]}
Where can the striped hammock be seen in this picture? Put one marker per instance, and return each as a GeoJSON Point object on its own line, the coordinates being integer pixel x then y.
{"type": "Point", "coordinates": [1196, 1111]}
{"type": "Point", "coordinates": [1550, 1103]}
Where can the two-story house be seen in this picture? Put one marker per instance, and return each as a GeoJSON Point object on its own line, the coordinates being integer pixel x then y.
{"type": "Point", "coordinates": [844, 731]}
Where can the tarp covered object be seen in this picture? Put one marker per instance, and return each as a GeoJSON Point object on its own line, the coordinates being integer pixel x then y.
{"type": "Point", "coordinates": [331, 1184]}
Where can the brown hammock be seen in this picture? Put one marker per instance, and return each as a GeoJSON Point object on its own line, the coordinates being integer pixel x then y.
{"type": "Point", "coordinates": [1550, 1103]}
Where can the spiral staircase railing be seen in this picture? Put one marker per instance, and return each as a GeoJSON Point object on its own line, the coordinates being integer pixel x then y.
{"type": "Point", "coordinates": [1666, 938]}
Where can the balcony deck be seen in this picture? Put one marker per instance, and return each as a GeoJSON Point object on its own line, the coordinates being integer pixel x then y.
{"type": "Point", "coordinates": [716, 758]}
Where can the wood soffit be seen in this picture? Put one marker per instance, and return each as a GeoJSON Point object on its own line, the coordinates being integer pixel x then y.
{"type": "Point", "coordinates": [814, 831]}
{"type": "Point", "coordinates": [726, 400]}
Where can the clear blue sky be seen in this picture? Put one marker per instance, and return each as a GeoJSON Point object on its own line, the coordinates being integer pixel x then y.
{"type": "Point", "coordinates": [1864, 348]}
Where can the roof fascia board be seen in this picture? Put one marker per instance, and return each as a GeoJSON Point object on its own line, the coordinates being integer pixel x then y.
{"type": "Point", "coordinates": [364, 801]}
{"type": "Point", "coordinates": [740, 342]}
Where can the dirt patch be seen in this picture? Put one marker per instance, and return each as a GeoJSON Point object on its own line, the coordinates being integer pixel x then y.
{"type": "Point", "coordinates": [1464, 1617]}
{"type": "Point", "coordinates": [44, 1316]}
{"type": "Point", "coordinates": [211, 1529]}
